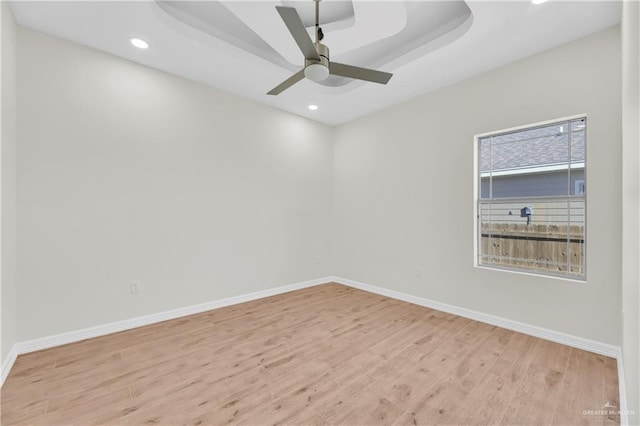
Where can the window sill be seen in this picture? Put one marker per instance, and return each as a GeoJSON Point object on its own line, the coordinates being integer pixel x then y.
{"type": "Point", "coordinates": [533, 274]}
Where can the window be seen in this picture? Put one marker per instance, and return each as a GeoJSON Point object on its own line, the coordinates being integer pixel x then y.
{"type": "Point", "coordinates": [531, 204]}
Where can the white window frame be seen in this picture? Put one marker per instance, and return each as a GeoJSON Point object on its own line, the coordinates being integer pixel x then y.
{"type": "Point", "coordinates": [476, 198]}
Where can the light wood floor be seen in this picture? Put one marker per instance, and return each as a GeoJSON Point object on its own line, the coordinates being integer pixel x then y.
{"type": "Point", "coordinates": [324, 355]}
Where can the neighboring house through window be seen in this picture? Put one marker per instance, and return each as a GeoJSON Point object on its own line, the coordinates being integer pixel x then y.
{"type": "Point", "coordinates": [531, 201]}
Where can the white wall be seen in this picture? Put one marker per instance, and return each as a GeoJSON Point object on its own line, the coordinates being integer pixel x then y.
{"type": "Point", "coordinates": [128, 173]}
{"type": "Point", "coordinates": [631, 203]}
{"type": "Point", "coordinates": [8, 316]}
{"type": "Point", "coordinates": [403, 190]}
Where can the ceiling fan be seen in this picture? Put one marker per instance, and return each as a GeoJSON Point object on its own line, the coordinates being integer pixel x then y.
{"type": "Point", "coordinates": [317, 66]}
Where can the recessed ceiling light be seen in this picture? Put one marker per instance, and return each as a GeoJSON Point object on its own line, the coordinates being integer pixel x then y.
{"type": "Point", "coordinates": [538, 1]}
{"type": "Point", "coordinates": [140, 44]}
{"type": "Point", "coordinates": [313, 107]}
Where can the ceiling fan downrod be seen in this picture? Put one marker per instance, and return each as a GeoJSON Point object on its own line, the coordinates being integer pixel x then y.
{"type": "Point", "coordinates": [319, 33]}
{"type": "Point", "coordinates": [318, 70]}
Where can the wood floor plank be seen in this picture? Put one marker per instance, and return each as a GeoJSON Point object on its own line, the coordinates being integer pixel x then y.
{"type": "Point", "coordinates": [610, 392]}
{"type": "Point", "coordinates": [480, 346]}
{"type": "Point", "coordinates": [584, 390]}
{"type": "Point", "coordinates": [342, 403]}
{"type": "Point", "coordinates": [102, 408]}
{"type": "Point", "coordinates": [540, 393]}
{"type": "Point", "coordinates": [33, 363]}
{"type": "Point", "coordinates": [163, 404]}
{"type": "Point", "coordinates": [289, 401]}
{"type": "Point", "coordinates": [323, 355]}
{"type": "Point", "coordinates": [487, 403]}
{"type": "Point", "coordinates": [23, 411]}
{"type": "Point", "coordinates": [382, 412]}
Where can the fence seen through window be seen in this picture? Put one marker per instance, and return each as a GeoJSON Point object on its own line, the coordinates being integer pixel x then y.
{"type": "Point", "coordinates": [532, 199]}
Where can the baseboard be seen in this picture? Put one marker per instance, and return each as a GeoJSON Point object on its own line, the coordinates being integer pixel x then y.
{"type": "Point", "coordinates": [114, 327]}
{"type": "Point", "coordinates": [8, 364]}
{"type": "Point", "coordinates": [543, 333]}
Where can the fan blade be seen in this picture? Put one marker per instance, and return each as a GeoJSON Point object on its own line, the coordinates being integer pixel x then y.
{"type": "Point", "coordinates": [287, 83]}
{"type": "Point", "coordinates": [298, 31]}
{"type": "Point", "coordinates": [366, 74]}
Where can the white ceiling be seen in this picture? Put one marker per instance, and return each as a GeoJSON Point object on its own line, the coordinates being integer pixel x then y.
{"type": "Point", "coordinates": [244, 47]}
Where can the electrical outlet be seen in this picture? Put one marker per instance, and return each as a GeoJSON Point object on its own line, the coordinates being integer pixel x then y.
{"type": "Point", "coordinates": [419, 272]}
{"type": "Point", "coordinates": [317, 259]}
{"type": "Point", "coordinates": [135, 287]}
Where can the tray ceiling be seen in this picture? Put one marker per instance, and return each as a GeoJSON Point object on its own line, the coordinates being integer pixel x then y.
{"type": "Point", "coordinates": [351, 30]}
{"type": "Point", "coordinates": [244, 47]}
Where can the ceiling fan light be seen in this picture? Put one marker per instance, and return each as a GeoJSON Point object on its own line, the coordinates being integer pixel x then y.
{"type": "Point", "coordinates": [316, 72]}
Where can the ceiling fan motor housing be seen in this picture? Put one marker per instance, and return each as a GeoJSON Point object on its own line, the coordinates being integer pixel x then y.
{"type": "Point", "coordinates": [318, 70]}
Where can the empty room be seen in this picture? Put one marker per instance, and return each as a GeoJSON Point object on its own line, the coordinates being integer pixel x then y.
{"type": "Point", "coordinates": [309, 212]}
